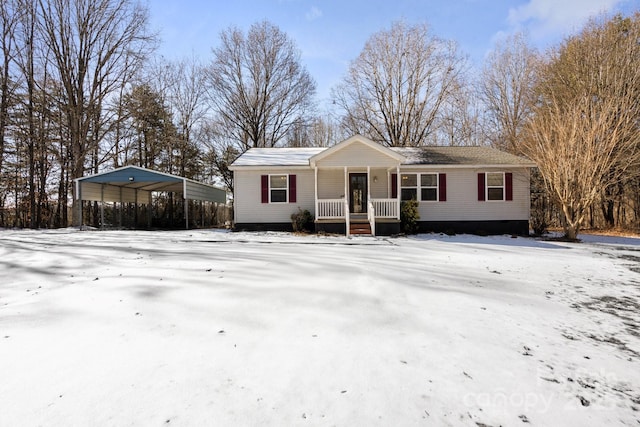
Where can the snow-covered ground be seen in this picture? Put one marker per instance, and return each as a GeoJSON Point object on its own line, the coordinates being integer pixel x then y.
{"type": "Point", "coordinates": [216, 328]}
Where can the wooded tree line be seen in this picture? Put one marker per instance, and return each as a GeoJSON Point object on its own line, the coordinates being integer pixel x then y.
{"type": "Point", "coordinates": [82, 91]}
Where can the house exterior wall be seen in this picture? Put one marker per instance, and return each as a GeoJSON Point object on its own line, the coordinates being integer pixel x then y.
{"type": "Point", "coordinates": [331, 182]}
{"type": "Point", "coordinates": [379, 180]}
{"type": "Point", "coordinates": [462, 198]}
{"type": "Point", "coordinates": [248, 206]}
{"type": "Point", "coordinates": [357, 154]}
{"type": "Point", "coordinates": [461, 205]}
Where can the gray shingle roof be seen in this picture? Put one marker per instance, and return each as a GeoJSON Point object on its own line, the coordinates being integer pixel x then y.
{"type": "Point", "coordinates": [459, 156]}
{"type": "Point", "coordinates": [414, 155]}
{"type": "Point", "coordinates": [277, 156]}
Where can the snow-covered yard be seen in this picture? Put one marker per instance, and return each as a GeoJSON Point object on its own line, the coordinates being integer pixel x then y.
{"type": "Point", "coordinates": [215, 328]}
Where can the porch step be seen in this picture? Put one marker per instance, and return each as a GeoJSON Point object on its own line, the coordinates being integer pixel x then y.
{"type": "Point", "coordinates": [359, 228]}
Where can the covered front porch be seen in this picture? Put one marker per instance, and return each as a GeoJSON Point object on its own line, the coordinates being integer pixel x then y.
{"type": "Point", "coordinates": [357, 194]}
{"type": "Point", "coordinates": [355, 210]}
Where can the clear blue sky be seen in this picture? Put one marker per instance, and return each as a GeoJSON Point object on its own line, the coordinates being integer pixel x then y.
{"type": "Point", "coordinates": [331, 33]}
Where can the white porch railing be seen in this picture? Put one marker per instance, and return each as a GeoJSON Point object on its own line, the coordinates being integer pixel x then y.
{"type": "Point", "coordinates": [330, 208]}
{"type": "Point", "coordinates": [347, 218]}
{"type": "Point", "coordinates": [336, 208]}
{"type": "Point", "coordinates": [371, 216]}
{"type": "Point", "coordinates": [385, 208]}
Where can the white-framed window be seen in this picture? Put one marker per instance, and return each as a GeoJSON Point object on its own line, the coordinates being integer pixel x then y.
{"type": "Point", "coordinates": [409, 186]}
{"type": "Point", "coordinates": [429, 187]}
{"type": "Point", "coordinates": [422, 187]}
{"type": "Point", "coordinates": [495, 186]}
{"type": "Point", "coordinates": [278, 188]}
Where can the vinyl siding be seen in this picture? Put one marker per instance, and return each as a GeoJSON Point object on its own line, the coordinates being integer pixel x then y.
{"type": "Point", "coordinates": [331, 183]}
{"type": "Point", "coordinates": [379, 190]}
{"type": "Point", "coordinates": [248, 207]}
{"type": "Point", "coordinates": [462, 198]}
{"type": "Point", "coordinates": [357, 155]}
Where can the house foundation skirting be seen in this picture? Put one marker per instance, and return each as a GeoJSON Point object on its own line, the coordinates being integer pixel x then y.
{"type": "Point", "coordinates": [263, 226]}
{"type": "Point", "coordinates": [389, 228]}
{"type": "Point", "coordinates": [517, 227]}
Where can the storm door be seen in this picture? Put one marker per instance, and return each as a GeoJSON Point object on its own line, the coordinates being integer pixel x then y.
{"type": "Point", "coordinates": [358, 192]}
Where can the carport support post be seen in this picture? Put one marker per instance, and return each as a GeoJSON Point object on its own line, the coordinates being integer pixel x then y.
{"type": "Point", "coordinates": [79, 192]}
{"type": "Point", "coordinates": [101, 206]}
{"type": "Point", "coordinates": [186, 213]}
{"type": "Point", "coordinates": [121, 209]}
{"type": "Point", "coordinates": [149, 210]}
{"type": "Point", "coordinates": [186, 204]}
{"type": "Point", "coordinates": [135, 212]}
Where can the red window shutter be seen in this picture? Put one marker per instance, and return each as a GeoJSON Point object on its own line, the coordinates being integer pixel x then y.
{"type": "Point", "coordinates": [481, 187]}
{"type": "Point", "coordinates": [442, 187]}
{"type": "Point", "coordinates": [292, 188]}
{"type": "Point", "coordinates": [508, 186]}
{"type": "Point", "coordinates": [265, 188]}
{"type": "Point", "coordinates": [394, 185]}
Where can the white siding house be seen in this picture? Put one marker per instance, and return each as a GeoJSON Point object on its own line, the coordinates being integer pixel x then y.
{"type": "Point", "coordinates": [357, 186]}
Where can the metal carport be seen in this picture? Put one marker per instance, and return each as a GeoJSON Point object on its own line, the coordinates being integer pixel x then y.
{"type": "Point", "coordinates": [134, 184]}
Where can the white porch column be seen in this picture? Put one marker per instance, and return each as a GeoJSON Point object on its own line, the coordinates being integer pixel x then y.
{"type": "Point", "coordinates": [346, 185]}
{"type": "Point", "coordinates": [346, 201]}
{"type": "Point", "coordinates": [368, 184]}
{"type": "Point", "coordinates": [398, 189]}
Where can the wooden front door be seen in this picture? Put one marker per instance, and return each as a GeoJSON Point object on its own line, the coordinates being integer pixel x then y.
{"type": "Point", "coordinates": [358, 192]}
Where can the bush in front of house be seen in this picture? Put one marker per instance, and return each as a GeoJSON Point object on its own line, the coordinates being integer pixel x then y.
{"type": "Point", "coordinates": [409, 216]}
{"type": "Point", "coordinates": [302, 221]}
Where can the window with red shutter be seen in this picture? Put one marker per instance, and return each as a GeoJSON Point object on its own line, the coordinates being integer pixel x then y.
{"type": "Point", "coordinates": [394, 185]}
{"type": "Point", "coordinates": [481, 187]}
{"type": "Point", "coordinates": [508, 183]}
{"type": "Point", "coordinates": [292, 188]}
{"type": "Point", "coordinates": [442, 187]}
{"type": "Point", "coordinates": [264, 187]}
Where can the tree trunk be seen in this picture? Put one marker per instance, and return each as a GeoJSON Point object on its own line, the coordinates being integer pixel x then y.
{"type": "Point", "coordinates": [571, 231]}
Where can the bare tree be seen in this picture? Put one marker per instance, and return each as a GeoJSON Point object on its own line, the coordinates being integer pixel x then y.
{"type": "Point", "coordinates": [94, 44]}
{"type": "Point", "coordinates": [186, 93]}
{"type": "Point", "coordinates": [320, 131]}
{"type": "Point", "coordinates": [394, 90]}
{"type": "Point", "coordinates": [585, 133]}
{"type": "Point", "coordinates": [507, 89]}
{"type": "Point", "coordinates": [458, 123]}
{"type": "Point", "coordinates": [9, 18]}
{"type": "Point", "coordinates": [258, 86]}
{"type": "Point", "coordinates": [220, 150]}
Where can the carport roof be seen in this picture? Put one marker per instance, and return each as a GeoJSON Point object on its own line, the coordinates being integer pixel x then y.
{"type": "Point", "coordinates": [138, 178]}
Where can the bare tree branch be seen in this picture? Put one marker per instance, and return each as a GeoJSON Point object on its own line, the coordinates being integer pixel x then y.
{"type": "Point", "coordinates": [394, 91]}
